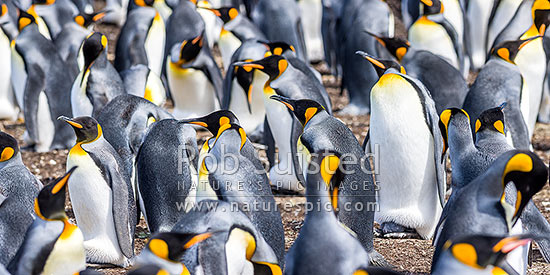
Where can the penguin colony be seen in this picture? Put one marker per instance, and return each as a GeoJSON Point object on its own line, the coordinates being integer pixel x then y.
{"type": "Point", "coordinates": [209, 207]}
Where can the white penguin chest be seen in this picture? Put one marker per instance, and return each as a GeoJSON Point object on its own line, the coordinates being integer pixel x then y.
{"type": "Point", "coordinates": [154, 44]}
{"type": "Point", "coordinates": [249, 119]}
{"type": "Point", "coordinates": [427, 35]}
{"type": "Point", "coordinates": [80, 103]}
{"type": "Point", "coordinates": [228, 44]}
{"type": "Point", "coordinates": [68, 255]}
{"type": "Point", "coordinates": [19, 75]}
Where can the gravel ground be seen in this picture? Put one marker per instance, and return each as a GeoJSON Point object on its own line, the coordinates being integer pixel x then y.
{"type": "Point", "coordinates": [412, 256]}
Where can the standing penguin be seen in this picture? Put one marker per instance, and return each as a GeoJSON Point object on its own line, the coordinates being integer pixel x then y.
{"type": "Point", "coordinates": [140, 81]}
{"type": "Point", "coordinates": [142, 38]}
{"type": "Point", "coordinates": [281, 21]}
{"type": "Point", "coordinates": [194, 79]}
{"type": "Point", "coordinates": [321, 230]}
{"type": "Point", "coordinates": [167, 147]}
{"type": "Point", "coordinates": [52, 244]}
{"type": "Point", "coordinates": [433, 32]}
{"type": "Point", "coordinates": [98, 82]}
{"type": "Point", "coordinates": [8, 107]}
{"type": "Point", "coordinates": [445, 83]}
{"type": "Point", "coordinates": [101, 195]}
{"type": "Point", "coordinates": [403, 124]}
{"type": "Point", "coordinates": [18, 188]}
{"type": "Point", "coordinates": [479, 14]}
{"type": "Point", "coordinates": [480, 207]}
{"type": "Point", "coordinates": [42, 86]}
{"type": "Point", "coordinates": [502, 14]}
{"type": "Point", "coordinates": [353, 189]}
{"type": "Point", "coordinates": [311, 13]}
{"type": "Point", "coordinates": [294, 82]}
{"type": "Point", "coordinates": [500, 81]}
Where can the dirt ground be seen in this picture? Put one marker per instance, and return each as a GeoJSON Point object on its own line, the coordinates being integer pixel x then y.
{"type": "Point", "coordinates": [412, 256]}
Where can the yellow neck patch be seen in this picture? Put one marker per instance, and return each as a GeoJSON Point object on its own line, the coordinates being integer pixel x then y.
{"type": "Point", "coordinates": [159, 248]}
{"type": "Point", "coordinates": [68, 230]}
{"type": "Point", "coordinates": [79, 20]}
{"type": "Point", "coordinates": [400, 53]}
{"type": "Point", "coordinates": [520, 162]}
{"type": "Point", "coordinates": [329, 165]}
{"type": "Point", "coordinates": [466, 254]}
{"type": "Point", "coordinates": [498, 125]}
{"type": "Point", "coordinates": [310, 112]}
{"type": "Point", "coordinates": [283, 64]}
{"type": "Point", "coordinates": [224, 120]}
{"type": "Point", "coordinates": [7, 154]}
{"type": "Point", "coordinates": [504, 54]}
{"type": "Point", "coordinates": [478, 125]}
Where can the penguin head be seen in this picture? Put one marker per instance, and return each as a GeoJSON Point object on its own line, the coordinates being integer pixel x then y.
{"type": "Point", "coordinates": [492, 120]}
{"type": "Point", "coordinates": [86, 128]}
{"type": "Point", "coordinates": [303, 109]}
{"type": "Point", "coordinates": [92, 47]}
{"type": "Point", "coordinates": [144, 3]}
{"type": "Point", "coordinates": [226, 14]}
{"type": "Point", "coordinates": [398, 47]}
{"type": "Point", "coordinates": [214, 121]}
{"type": "Point", "coordinates": [274, 66]}
{"type": "Point", "coordinates": [508, 50]}
{"type": "Point", "coordinates": [189, 50]}
{"type": "Point", "coordinates": [432, 7]}
{"type": "Point", "coordinates": [244, 77]}
{"type": "Point", "coordinates": [542, 20]}
{"type": "Point", "coordinates": [8, 147]}
{"type": "Point", "coordinates": [170, 246]}
{"type": "Point", "coordinates": [528, 173]}
{"type": "Point", "coordinates": [25, 19]}
{"type": "Point", "coordinates": [86, 19]}
{"type": "Point", "coordinates": [278, 48]}
{"type": "Point", "coordinates": [445, 119]}
{"type": "Point", "coordinates": [482, 251]}
{"type": "Point", "coordinates": [43, 2]}
{"type": "Point", "coordinates": [50, 202]}
{"type": "Point", "coordinates": [381, 66]}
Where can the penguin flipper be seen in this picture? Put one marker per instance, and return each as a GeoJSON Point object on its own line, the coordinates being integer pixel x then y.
{"type": "Point", "coordinates": [440, 19]}
{"type": "Point", "coordinates": [269, 141]}
{"type": "Point", "coordinates": [226, 88]}
{"type": "Point", "coordinates": [297, 130]}
{"type": "Point", "coordinates": [535, 223]}
{"type": "Point", "coordinates": [301, 39]}
{"type": "Point", "coordinates": [213, 74]}
{"type": "Point", "coordinates": [33, 87]}
{"type": "Point", "coordinates": [366, 143]}
{"type": "Point", "coordinates": [137, 52]}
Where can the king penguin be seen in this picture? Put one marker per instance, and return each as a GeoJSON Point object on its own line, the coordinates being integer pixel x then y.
{"type": "Point", "coordinates": [296, 83]}
{"type": "Point", "coordinates": [354, 190]}
{"type": "Point", "coordinates": [98, 82]}
{"type": "Point", "coordinates": [194, 79]}
{"type": "Point", "coordinates": [101, 196]}
{"type": "Point", "coordinates": [445, 83]}
{"type": "Point", "coordinates": [141, 39]}
{"type": "Point", "coordinates": [18, 188]}
{"type": "Point", "coordinates": [321, 231]}
{"type": "Point", "coordinates": [480, 207]}
{"type": "Point", "coordinates": [42, 86]}
{"type": "Point", "coordinates": [167, 147]}
{"type": "Point", "coordinates": [502, 14]}
{"type": "Point", "coordinates": [54, 13]}
{"type": "Point", "coordinates": [311, 12]}
{"type": "Point", "coordinates": [140, 81]}
{"type": "Point", "coordinates": [501, 81]}
{"type": "Point", "coordinates": [52, 244]}
{"type": "Point", "coordinates": [479, 14]}
{"type": "Point", "coordinates": [403, 124]}
{"type": "Point", "coordinates": [8, 106]}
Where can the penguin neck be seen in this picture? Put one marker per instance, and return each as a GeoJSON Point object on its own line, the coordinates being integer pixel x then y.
{"type": "Point", "coordinates": [460, 139]}
{"type": "Point", "coordinates": [15, 160]}
{"type": "Point", "coordinates": [487, 135]}
{"type": "Point", "coordinates": [317, 196]}
{"type": "Point", "coordinates": [316, 119]}
{"type": "Point", "coordinates": [229, 142]}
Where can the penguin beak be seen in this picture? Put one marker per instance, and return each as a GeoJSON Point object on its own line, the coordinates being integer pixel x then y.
{"type": "Point", "coordinates": [71, 122]}
{"type": "Point", "coordinates": [61, 183]}
{"type": "Point", "coordinates": [197, 239]}
{"type": "Point", "coordinates": [371, 59]}
{"type": "Point", "coordinates": [428, 3]}
{"type": "Point", "coordinates": [503, 105]}
{"type": "Point", "coordinates": [289, 103]}
{"type": "Point", "coordinates": [98, 15]}
{"type": "Point", "coordinates": [526, 41]}
{"type": "Point", "coordinates": [195, 122]}
{"type": "Point", "coordinates": [215, 11]}
{"type": "Point", "coordinates": [506, 246]}
{"type": "Point", "coordinates": [251, 65]}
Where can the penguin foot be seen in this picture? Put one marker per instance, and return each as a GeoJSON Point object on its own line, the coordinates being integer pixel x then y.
{"type": "Point", "coordinates": [396, 231]}
{"type": "Point", "coordinates": [376, 259]}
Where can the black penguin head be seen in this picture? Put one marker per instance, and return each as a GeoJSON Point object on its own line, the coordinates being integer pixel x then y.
{"type": "Point", "coordinates": [8, 147]}
{"type": "Point", "coordinates": [398, 47]}
{"type": "Point", "coordinates": [528, 173]}
{"type": "Point", "coordinates": [381, 66]}
{"type": "Point", "coordinates": [190, 49]}
{"type": "Point", "coordinates": [170, 246]}
{"type": "Point", "coordinates": [86, 128]}
{"type": "Point", "coordinates": [508, 50]}
{"type": "Point", "coordinates": [492, 120]}
{"type": "Point", "coordinates": [444, 120]}
{"type": "Point", "coordinates": [274, 66]}
{"type": "Point", "coordinates": [92, 47]}
{"type": "Point", "coordinates": [303, 109]}
{"type": "Point", "coordinates": [481, 251]}
{"type": "Point", "coordinates": [25, 19]}
{"type": "Point", "coordinates": [432, 7]}
{"type": "Point", "coordinates": [226, 14]}
{"type": "Point", "coordinates": [144, 3]}
{"type": "Point", "coordinates": [85, 19]}
{"type": "Point", "coordinates": [214, 121]}
{"type": "Point", "coordinates": [542, 20]}
{"type": "Point", "coordinates": [50, 203]}
{"type": "Point", "coordinates": [277, 48]}
{"type": "Point", "coordinates": [244, 77]}
{"type": "Point", "coordinates": [43, 2]}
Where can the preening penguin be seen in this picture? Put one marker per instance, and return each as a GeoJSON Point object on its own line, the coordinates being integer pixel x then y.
{"type": "Point", "coordinates": [18, 188]}
{"type": "Point", "coordinates": [480, 207]}
{"type": "Point", "coordinates": [324, 246]}
{"type": "Point", "coordinates": [101, 195]}
{"type": "Point", "coordinates": [445, 83]}
{"type": "Point", "coordinates": [166, 170]}
{"type": "Point", "coordinates": [351, 191]}
{"type": "Point", "coordinates": [140, 81]}
{"type": "Point", "coordinates": [166, 250]}
{"type": "Point", "coordinates": [500, 81]}
{"type": "Point", "coordinates": [41, 84]}
{"type": "Point", "coordinates": [403, 124]}
{"type": "Point", "coordinates": [52, 244]}
{"type": "Point", "coordinates": [98, 82]}
{"type": "Point", "coordinates": [142, 38]}
{"type": "Point", "coordinates": [478, 254]}
{"type": "Point", "coordinates": [194, 79]}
